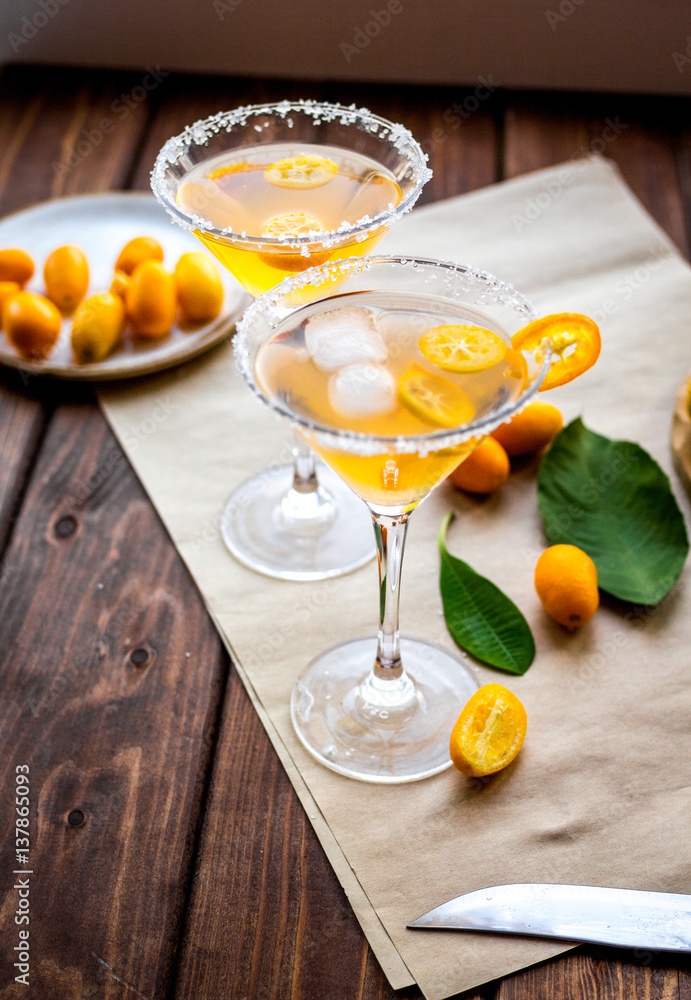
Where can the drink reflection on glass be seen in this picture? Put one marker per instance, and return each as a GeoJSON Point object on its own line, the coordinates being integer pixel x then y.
{"type": "Point", "coordinates": [272, 190]}
{"type": "Point", "coordinates": [392, 377]}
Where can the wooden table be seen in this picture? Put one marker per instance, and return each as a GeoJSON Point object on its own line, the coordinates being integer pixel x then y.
{"type": "Point", "coordinates": [171, 858]}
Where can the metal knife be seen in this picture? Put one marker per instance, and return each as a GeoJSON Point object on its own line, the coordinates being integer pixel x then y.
{"type": "Point", "coordinates": [625, 918]}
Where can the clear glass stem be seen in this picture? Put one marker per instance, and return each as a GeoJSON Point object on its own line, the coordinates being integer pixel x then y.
{"type": "Point", "coordinates": [305, 478]}
{"type": "Point", "coordinates": [390, 533]}
{"type": "Point", "coordinates": [306, 508]}
{"type": "Point", "coordinates": [388, 695]}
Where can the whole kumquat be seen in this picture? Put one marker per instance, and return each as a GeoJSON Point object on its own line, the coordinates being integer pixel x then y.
{"type": "Point", "coordinates": [7, 289]}
{"type": "Point", "coordinates": [200, 289]}
{"type": "Point", "coordinates": [137, 250]}
{"type": "Point", "coordinates": [151, 300]}
{"type": "Point", "coordinates": [16, 265]}
{"type": "Point", "coordinates": [529, 431]}
{"type": "Point", "coordinates": [485, 470]}
{"type": "Point", "coordinates": [97, 327]}
{"type": "Point", "coordinates": [566, 583]}
{"type": "Point", "coordinates": [32, 324]}
{"type": "Point", "coordinates": [66, 276]}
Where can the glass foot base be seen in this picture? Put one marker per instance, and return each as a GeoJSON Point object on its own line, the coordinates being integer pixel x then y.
{"type": "Point", "coordinates": [386, 743]}
{"type": "Point", "coordinates": [291, 536]}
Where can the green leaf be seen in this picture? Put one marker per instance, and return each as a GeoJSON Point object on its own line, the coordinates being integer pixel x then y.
{"type": "Point", "coordinates": [481, 619]}
{"type": "Point", "coordinates": [611, 499]}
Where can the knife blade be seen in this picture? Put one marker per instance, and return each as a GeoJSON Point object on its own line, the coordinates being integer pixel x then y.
{"type": "Point", "coordinates": [625, 918]}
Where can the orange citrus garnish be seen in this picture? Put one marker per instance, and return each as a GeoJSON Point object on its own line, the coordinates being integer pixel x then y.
{"type": "Point", "coordinates": [303, 171]}
{"type": "Point", "coordinates": [233, 168]}
{"type": "Point", "coordinates": [462, 348]}
{"type": "Point", "coordinates": [292, 224]}
{"type": "Point", "coordinates": [566, 583]}
{"type": "Point", "coordinates": [485, 469]}
{"type": "Point", "coordinates": [575, 343]}
{"type": "Point", "coordinates": [434, 399]}
{"type": "Point", "coordinates": [489, 731]}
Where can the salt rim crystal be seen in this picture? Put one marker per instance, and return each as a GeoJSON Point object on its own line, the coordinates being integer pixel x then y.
{"type": "Point", "coordinates": [486, 289]}
{"type": "Point", "coordinates": [198, 133]}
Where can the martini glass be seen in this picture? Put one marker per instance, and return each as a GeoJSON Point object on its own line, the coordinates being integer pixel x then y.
{"type": "Point", "coordinates": [286, 522]}
{"type": "Point", "coordinates": [382, 708]}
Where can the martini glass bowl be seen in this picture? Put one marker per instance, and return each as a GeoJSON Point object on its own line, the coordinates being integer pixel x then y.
{"type": "Point", "coordinates": [381, 708]}
{"type": "Point", "coordinates": [286, 521]}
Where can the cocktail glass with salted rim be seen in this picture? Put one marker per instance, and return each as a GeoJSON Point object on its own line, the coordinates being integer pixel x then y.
{"type": "Point", "coordinates": [391, 377]}
{"type": "Point", "coordinates": [271, 190]}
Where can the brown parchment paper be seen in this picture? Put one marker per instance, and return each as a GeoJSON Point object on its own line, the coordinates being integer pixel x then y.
{"type": "Point", "coordinates": [600, 793]}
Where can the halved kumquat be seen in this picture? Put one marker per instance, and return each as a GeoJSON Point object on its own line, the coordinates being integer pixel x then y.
{"type": "Point", "coordinates": [234, 168]}
{"type": "Point", "coordinates": [462, 348]}
{"type": "Point", "coordinates": [291, 224]}
{"type": "Point", "coordinates": [306, 170]}
{"type": "Point", "coordinates": [434, 399]}
{"type": "Point", "coordinates": [574, 340]}
{"type": "Point", "coordinates": [489, 731]}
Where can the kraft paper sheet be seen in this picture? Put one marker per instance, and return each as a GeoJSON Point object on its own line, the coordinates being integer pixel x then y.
{"type": "Point", "coordinates": [600, 792]}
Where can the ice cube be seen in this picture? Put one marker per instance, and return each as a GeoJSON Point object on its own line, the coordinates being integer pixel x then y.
{"type": "Point", "coordinates": [343, 336]}
{"type": "Point", "coordinates": [362, 390]}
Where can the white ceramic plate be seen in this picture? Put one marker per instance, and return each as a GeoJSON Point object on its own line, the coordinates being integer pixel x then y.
{"type": "Point", "coordinates": [101, 224]}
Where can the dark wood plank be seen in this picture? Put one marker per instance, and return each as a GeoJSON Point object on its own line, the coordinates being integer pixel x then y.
{"type": "Point", "coordinates": [640, 134]}
{"type": "Point", "coordinates": [75, 130]}
{"type": "Point", "coordinates": [458, 129]}
{"type": "Point", "coordinates": [112, 671]}
{"type": "Point", "coordinates": [111, 676]}
{"type": "Point", "coordinates": [267, 916]}
{"type": "Point", "coordinates": [541, 130]}
{"type": "Point", "coordinates": [646, 153]}
{"type": "Point", "coordinates": [22, 420]}
{"type": "Point", "coordinates": [607, 974]}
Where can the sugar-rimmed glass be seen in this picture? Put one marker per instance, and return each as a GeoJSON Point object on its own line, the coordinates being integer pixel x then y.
{"type": "Point", "coordinates": [286, 522]}
{"type": "Point", "coordinates": [381, 709]}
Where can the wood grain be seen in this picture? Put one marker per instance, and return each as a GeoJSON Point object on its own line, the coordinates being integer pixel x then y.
{"type": "Point", "coordinates": [646, 152]}
{"type": "Point", "coordinates": [112, 672]}
{"type": "Point", "coordinates": [77, 132]}
{"type": "Point", "coordinates": [172, 857]}
{"type": "Point", "coordinates": [602, 973]}
{"type": "Point", "coordinates": [22, 420]}
{"type": "Point", "coordinates": [642, 136]}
